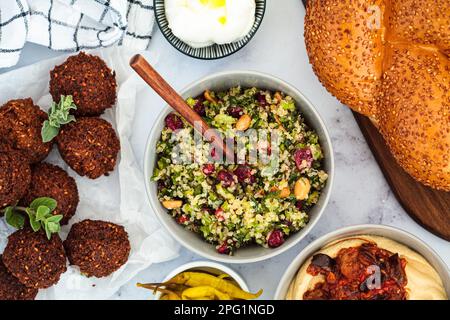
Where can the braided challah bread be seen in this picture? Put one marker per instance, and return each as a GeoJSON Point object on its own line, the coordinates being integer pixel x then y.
{"type": "Point", "coordinates": [390, 60]}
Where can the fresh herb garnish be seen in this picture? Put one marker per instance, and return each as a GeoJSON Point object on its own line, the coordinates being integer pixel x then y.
{"type": "Point", "coordinates": [14, 218]}
{"type": "Point", "coordinates": [58, 115]}
{"type": "Point", "coordinates": [39, 214]}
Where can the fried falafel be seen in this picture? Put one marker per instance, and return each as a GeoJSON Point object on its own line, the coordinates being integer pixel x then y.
{"type": "Point", "coordinates": [33, 259]}
{"type": "Point", "coordinates": [20, 129]}
{"type": "Point", "coordinates": [89, 146]}
{"type": "Point", "coordinates": [15, 178]}
{"type": "Point", "coordinates": [11, 288]}
{"type": "Point", "coordinates": [51, 181]}
{"type": "Point", "coordinates": [90, 82]}
{"type": "Point", "coordinates": [98, 248]}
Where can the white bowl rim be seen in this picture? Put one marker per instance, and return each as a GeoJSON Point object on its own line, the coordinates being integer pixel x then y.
{"type": "Point", "coordinates": [322, 241]}
{"type": "Point", "coordinates": [309, 226]}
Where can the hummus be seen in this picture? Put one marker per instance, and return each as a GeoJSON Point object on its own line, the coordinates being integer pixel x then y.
{"type": "Point", "coordinates": [423, 282]}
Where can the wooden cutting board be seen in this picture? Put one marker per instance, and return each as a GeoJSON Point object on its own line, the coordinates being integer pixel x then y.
{"type": "Point", "coordinates": [428, 207]}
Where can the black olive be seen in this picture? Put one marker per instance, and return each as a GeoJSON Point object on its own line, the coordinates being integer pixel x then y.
{"type": "Point", "coordinates": [395, 269]}
{"type": "Point", "coordinates": [323, 261]}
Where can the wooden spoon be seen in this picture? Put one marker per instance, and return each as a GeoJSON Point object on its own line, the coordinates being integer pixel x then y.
{"type": "Point", "coordinates": [165, 91]}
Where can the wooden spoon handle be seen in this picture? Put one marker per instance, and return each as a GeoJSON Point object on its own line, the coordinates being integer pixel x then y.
{"type": "Point", "coordinates": [165, 91]}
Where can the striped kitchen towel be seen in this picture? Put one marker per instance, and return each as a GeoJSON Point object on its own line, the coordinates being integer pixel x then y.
{"type": "Point", "coordinates": [73, 25]}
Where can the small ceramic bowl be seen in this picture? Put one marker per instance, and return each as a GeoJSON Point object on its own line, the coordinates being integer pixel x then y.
{"type": "Point", "coordinates": [207, 267]}
{"type": "Point", "coordinates": [224, 81]}
{"type": "Point", "coordinates": [212, 52]}
{"type": "Point", "coordinates": [392, 233]}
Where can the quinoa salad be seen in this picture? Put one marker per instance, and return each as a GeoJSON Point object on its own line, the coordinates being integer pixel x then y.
{"type": "Point", "coordinates": [238, 204]}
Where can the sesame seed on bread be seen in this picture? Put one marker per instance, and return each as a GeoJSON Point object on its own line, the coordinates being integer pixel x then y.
{"type": "Point", "coordinates": [390, 60]}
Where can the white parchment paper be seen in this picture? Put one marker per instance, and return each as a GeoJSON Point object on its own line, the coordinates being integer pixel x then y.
{"type": "Point", "coordinates": [119, 198]}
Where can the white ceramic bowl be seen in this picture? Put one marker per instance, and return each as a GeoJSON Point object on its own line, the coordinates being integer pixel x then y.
{"type": "Point", "coordinates": [223, 81]}
{"type": "Point", "coordinates": [213, 268]}
{"type": "Point", "coordinates": [395, 234]}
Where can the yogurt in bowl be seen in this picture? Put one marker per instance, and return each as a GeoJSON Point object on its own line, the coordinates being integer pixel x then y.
{"type": "Point", "coordinates": [201, 23]}
{"type": "Point", "coordinates": [226, 25]}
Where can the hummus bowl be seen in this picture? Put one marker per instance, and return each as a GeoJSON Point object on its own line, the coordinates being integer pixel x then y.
{"type": "Point", "coordinates": [224, 81]}
{"type": "Point", "coordinates": [395, 240]}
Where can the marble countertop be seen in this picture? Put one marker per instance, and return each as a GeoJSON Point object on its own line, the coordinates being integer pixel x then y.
{"type": "Point", "coordinates": [360, 194]}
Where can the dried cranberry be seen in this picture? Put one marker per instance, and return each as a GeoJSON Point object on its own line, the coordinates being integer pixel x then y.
{"type": "Point", "coordinates": [199, 107]}
{"type": "Point", "coordinates": [174, 122]}
{"type": "Point", "coordinates": [261, 98]}
{"type": "Point", "coordinates": [182, 219]}
{"type": "Point", "coordinates": [223, 249]}
{"type": "Point", "coordinates": [235, 112]}
{"type": "Point", "coordinates": [214, 155]}
{"type": "Point", "coordinates": [225, 178]}
{"type": "Point", "coordinates": [219, 214]}
{"type": "Point", "coordinates": [303, 158]}
{"type": "Point", "coordinates": [275, 239]}
{"type": "Point", "coordinates": [208, 169]}
{"type": "Point", "coordinates": [243, 173]}
{"type": "Point", "coordinates": [299, 204]}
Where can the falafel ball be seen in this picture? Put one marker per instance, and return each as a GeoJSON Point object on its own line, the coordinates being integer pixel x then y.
{"type": "Point", "coordinates": [20, 129]}
{"type": "Point", "coordinates": [98, 248]}
{"type": "Point", "coordinates": [33, 259]}
{"type": "Point", "coordinates": [11, 288]}
{"type": "Point", "coordinates": [15, 178]}
{"type": "Point", "coordinates": [90, 82]}
{"type": "Point", "coordinates": [51, 181]}
{"type": "Point", "coordinates": [89, 146]}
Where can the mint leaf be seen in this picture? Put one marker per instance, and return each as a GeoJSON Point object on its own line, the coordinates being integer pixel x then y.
{"type": "Point", "coordinates": [70, 118]}
{"type": "Point", "coordinates": [8, 212]}
{"type": "Point", "coordinates": [35, 225]}
{"type": "Point", "coordinates": [42, 213]}
{"type": "Point", "coordinates": [14, 218]}
{"type": "Point", "coordinates": [48, 132]}
{"type": "Point", "coordinates": [39, 214]}
{"type": "Point", "coordinates": [44, 201]}
{"type": "Point", "coordinates": [58, 114]}
{"type": "Point", "coordinates": [48, 232]}
{"type": "Point", "coordinates": [52, 224]}
{"type": "Point", "coordinates": [54, 219]}
{"type": "Point", "coordinates": [53, 227]}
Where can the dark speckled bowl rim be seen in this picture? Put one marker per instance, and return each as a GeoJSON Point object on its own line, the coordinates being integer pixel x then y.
{"type": "Point", "coordinates": [251, 34]}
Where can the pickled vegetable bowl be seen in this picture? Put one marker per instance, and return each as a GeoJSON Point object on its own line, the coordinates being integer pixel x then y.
{"type": "Point", "coordinates": [232, 205]}
{"type": "Point", "coordinates": [200, 286]}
